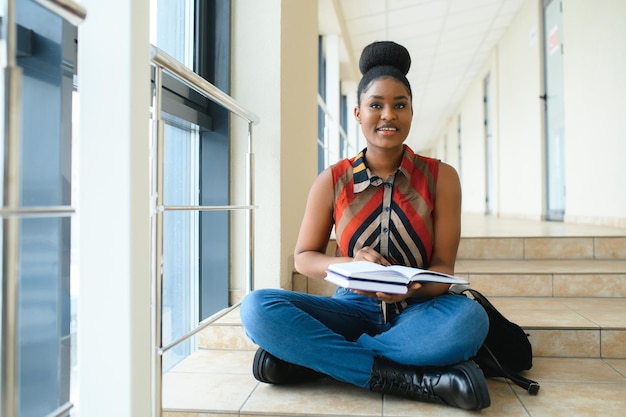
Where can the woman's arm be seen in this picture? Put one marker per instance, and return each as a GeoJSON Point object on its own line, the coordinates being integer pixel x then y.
{"type": "Point", "coordinates": [310, 253]}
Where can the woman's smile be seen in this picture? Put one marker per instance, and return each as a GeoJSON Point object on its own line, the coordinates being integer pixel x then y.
{"type": "Point", "coordinates": [387, 130]}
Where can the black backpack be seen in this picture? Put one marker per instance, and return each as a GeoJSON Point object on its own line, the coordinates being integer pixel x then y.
{"type": "Point", "coordinates": [506, 350]}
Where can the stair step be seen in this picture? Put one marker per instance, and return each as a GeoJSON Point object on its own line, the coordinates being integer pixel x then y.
{"type": "Point", "coordinates": [564, 284]}
{"type": "Point", "coordinates": [226, 333]}
{"type": "Point", "coordinates": [591, 327]}
{"type": "Point", "coordinates": [546, 278]}
{"type": "Point", "coordinates": [532, 248]}
{"type": "Point", "coordinates": [588, 327]}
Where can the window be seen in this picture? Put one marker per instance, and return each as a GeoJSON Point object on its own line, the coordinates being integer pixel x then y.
{"type": "Point", "coordinates": [337, 132]}
{"type": "Point", "coordinates": [46, 56]}
{"type": "Point", "coordinates": [196, 171]}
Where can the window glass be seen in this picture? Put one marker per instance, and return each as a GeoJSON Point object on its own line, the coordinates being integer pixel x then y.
{"type": "Point", "coordinates": [172, 31]}
{"type": "Point", "coordinates": [336, 137]}
{"type": "Point", "coordinates": [47, 62]}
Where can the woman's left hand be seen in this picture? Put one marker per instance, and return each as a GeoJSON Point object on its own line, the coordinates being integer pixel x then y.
{"type": "Point", "coordinates": [390, 298]}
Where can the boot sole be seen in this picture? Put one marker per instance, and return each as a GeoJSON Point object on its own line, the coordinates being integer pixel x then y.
{"type": "Point", "coordinates": [257, 366]}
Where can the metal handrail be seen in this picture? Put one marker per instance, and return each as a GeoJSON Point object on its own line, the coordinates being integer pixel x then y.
{"type": "Point", "coordinates": [62, 411]}
{"type": "Point", "coordinates": [67, 9]}
{"type": "Point", "coordinates": [203, 324]}
{"type": "Point", "coordinates": [164, 62]}
{"type": "Point", "coordinates": [43, 211]}
{"type": "Point", "coordinates": [205, 208]}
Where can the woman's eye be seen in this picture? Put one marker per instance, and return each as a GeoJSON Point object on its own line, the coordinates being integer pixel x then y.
{"type": "Point", "coordinates": [375, 106]}
{"type": "Point", "coordinates": [400, 105]}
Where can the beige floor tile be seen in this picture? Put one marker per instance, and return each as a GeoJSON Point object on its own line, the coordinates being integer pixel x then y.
{"type": "Point", "coordinates": [541, 266]}
{"type": "Point", "coordinates": [232, 317]}
{"type": "Point", "coordinates": [477, 225]}
{"type": "Point", "coordinates": [224, 337]}
{"type": "Point", "coordinates": [593, 371]}
{"type": "Point", "coordinates": [614, 344]}
{"type": "Point", "coordinates": [492, 248]}
{"type": "Point", "coordinates": [503, 403]}
{"type": "Point", "coordinates": [618, 364]}
{"type": "Point", "coordinates": [185, 414]}
{"type": "Point", "coordinates": [207, 393]}
{"type": "Point", "coordinates": [566, 343]}
{"type": "Point", "coordinates": [536, 285]}
{"type": "Point", "coordinates": [539, 318]}
{"type": "Point", "coordinates": [579, 400]}
{"type": "Point", "coordinates": [217, 362]}
{"type": "Point", "coordinates": [319, 398]}
{"type": "Point", "coordinates": [610, 247]}
{"type": "Point", "coordinates": [527, 303]}
{"type": "Point", "coordinates": [558, 248]}
{"type": "Point", "coordinates": [614, 318]}
{"type": "Point", "coordinates": [577, 304]}
{"type": "Point", "coordinates": [595, 285]}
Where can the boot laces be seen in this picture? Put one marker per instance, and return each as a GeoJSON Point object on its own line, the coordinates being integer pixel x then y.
{"type": "Point", "coordinates": [420, 386]}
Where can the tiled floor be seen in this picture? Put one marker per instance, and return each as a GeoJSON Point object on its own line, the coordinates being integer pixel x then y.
{"type": "Point", "coordinates": [579, 344]}
{"type": "Point", "coordinates": [474, 225]}
{"type": "Point", "coordinates": [202, 386]}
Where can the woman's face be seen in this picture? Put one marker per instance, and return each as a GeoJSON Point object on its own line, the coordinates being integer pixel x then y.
{"type": "Point", "coordinates": [385, 113]}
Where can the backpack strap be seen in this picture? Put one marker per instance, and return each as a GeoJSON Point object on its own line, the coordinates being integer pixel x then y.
{"type": "Point", "coordinates": [528, 384]}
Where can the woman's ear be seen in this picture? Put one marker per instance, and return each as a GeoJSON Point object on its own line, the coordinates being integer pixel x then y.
{"type": "Point", "coordinates": [357, 114]}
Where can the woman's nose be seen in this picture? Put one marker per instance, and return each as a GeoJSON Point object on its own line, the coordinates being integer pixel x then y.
{"type": "Point", "coordinates": [388, 113]}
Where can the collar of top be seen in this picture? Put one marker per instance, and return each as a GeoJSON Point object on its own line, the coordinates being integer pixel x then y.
{"type": "Point", "coordinates": [363, 176]}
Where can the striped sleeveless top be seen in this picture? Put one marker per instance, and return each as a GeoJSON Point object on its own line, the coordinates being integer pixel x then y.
{"type": "Point", "coordinates": [393, 216]}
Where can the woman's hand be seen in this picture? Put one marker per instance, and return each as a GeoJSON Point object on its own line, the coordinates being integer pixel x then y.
{"type": "Point", "coordinates": [368, 254]}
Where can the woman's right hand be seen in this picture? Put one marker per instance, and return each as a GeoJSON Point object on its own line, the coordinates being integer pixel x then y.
{"type": "Point", "coordinates": [366, 253]}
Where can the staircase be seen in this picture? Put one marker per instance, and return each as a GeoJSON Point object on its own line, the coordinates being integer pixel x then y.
{"type": "Point", "coordinates": [564, 284]}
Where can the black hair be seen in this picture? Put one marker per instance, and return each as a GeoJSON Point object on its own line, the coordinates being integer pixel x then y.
{"type": "Point", "coordinates": [383, 59]}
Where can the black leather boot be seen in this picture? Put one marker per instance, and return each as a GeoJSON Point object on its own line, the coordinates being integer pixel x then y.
{"type": "Point", "coordinates": [461, 385]}
{"type": "Point", "coordinates": [271, 370]}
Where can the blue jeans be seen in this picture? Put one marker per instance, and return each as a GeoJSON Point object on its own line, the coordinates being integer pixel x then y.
{"type": "Point", "coordinates": [340, 335]}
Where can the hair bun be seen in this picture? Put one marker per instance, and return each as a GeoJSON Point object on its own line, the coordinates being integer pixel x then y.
{"type": "Point", "coordinates": [385, 53]}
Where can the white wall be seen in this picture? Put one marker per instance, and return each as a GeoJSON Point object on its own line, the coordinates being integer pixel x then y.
{"type": "Point", "coordinates": [595, 110]}
{"type": "Point", "coordinates": [595, 126]}
{"type": "Point", "coordinates": [520, 132]}
{"type": "Point", "coordinates": [515, 71]}
{"type": "Point", "coordinates": [473, 150]}
{"type": "Point", "coordinates": [114, 209]}
{"type": "Point", "coordinates": [275, 76]}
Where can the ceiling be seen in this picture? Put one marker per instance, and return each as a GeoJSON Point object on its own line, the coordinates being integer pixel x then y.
{"type": "Point", "coordinates": [449, 41]}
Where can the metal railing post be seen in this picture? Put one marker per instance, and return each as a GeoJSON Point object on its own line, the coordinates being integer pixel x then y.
{"type": "Point", "coordinates": [250, 218]}
{"type": "Point", "coordinates": [11, 225]}
{"type": "Point", "coordinates": [162, 62]}
{"type": "Point", "coordinates": [157, 275]}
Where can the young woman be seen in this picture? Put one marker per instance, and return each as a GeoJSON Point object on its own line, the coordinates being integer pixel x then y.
{"type": "Point", "coordinates": [390, 206]}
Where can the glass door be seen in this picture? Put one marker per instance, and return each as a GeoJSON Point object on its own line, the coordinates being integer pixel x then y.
{"type": "Point", "coordinates": [553, 99]}
{"type": "Point", "coordinates": [489, 180]}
